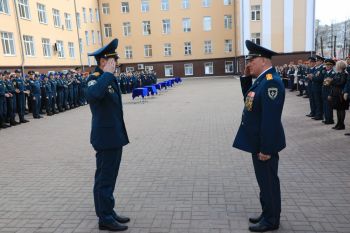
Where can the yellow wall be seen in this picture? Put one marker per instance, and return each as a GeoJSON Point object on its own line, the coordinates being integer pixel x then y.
{"type": "Point", "coordinates": [299, 25]}
{"type": "Point", "coordinates": [277, 27]}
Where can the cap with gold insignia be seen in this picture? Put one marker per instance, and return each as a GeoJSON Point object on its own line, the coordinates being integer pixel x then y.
{"type": "Point", "coordinates": [107, 51]}
{"type": "Point", "coordinates": [312, 59]}
{"type": "Point", "coordinates": [329, 62]}
{"type": "Point", "coordinates": [257, 51]}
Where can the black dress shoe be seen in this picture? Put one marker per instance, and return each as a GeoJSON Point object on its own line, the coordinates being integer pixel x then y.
{"type": "Point", "coordinates": [310, 115]}
{"type": "Point", "coordinates": [255, 219]}
{"type": "Point", "coordinates": [340, 127]}
{"type": "Point", "coordinates": [347, 134]}
{"type": "Point", "coordinates": [24, 121]}
{"type": "Point", "coordinates": [262, 228]}
{"type": "Point", "coordinates": [329, 122]}
{"type": "Point", "coordinates": [121, 218]}
{"type": "Point", "coordinates": [114, 226]}
{"type": "Point", "coordinates": [14, 123]}
{"type": "Point", "coordinates": [317, 118]}
{"type": "Point", "coordinates": [4, 126]}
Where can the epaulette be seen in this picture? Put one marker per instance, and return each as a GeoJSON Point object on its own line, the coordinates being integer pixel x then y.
{"type": "Point", "coordinates": [269, 77]}
{"type": "Point", "coordinates": [96, 74]}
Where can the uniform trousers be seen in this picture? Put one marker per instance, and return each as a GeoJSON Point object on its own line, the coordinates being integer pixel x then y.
{"type": "Point", "coordinates": [266, 173]}
{"type": "Point", "coordinates": [107, 168]}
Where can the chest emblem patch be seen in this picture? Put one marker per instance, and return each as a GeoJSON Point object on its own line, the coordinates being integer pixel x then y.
{"type": "Point", "coordinates": [272, 92]}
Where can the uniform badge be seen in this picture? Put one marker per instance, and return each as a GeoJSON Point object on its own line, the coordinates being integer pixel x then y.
{"type": "Point", "coordinates": [272, 92]}
{"type": "Point", "coordinates": [269, 77]}
{"type": "Point", "coordinates": [249, 101]}
{"type": "Point", "coordinates": [110, 89]}
{"type": "Point", "coordinates": [91, 83]}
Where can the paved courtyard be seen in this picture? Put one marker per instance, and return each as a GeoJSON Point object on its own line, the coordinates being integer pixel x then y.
{"type": "Point", "coordinates": [179, 174]}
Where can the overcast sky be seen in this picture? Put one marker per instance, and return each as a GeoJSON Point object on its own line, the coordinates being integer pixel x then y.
{"type": "Point", "coordinates": [332, 10]}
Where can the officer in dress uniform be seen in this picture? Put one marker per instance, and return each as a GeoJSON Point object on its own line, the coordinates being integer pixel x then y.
{"type": "Point", "coordinates": [48, 95]}
{"type": "Point", "coordinates": [108, 135]}
{"type": "Point", "coordinates": [35, 92]}
{"type": "Point", "coordinates": [21, 90]}
{"type": "Point", "coordinates": [291, 77]}
{"type": "Point", "coordinates": [261, 133]}
{"type": "Point", "coordinates": [300, 77]}
{"type": "Point", "coordinates": [310, 72]}
{"type": "Point", "coordinates": [11, 100]}
{"type": "Point", "coordinates": [317, 83]}
{"type": "Point", "coordinates": [326, 91]}
{"type": "Point", "coordinates": [53, 83]}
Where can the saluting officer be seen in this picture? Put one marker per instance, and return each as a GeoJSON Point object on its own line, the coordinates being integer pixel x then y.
{"type": "Point", "coordinates": [108, 135]}
{"type": "Point", "coordinates": [261, 133]}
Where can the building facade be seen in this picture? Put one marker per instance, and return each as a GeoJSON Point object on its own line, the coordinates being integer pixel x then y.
{"type": "Point", "coordinates": [174, 38]}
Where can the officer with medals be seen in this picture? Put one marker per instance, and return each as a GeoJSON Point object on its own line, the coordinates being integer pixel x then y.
{"type": "Point", "coordinates": [108, 135]}
{"type": "Point", "coordinates": [326, 91]}
{"type": "Point", "coordinates": [261, 133]}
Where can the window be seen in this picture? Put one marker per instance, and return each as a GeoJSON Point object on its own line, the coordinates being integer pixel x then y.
{"type": "Point", "coordinates": [148, 50]}
{"type": "Point", "coordinates": [80, 45]}
{"type": "Point", "coordinates": [60, 49]}
{"type": "Point", "coordinates": [68, 21]}
{"type": "Point", "coordinates": [23, 8]}
{"type": "Point", "coordinates": [207, 47]}
{"type": "Point", "coordinates": [144, 6]}
{"type": "Point", "coordinates": [228, 21]}
{"type": "Point", "coordinates": [8, 44]}
{"type": "Point", "coordinates": [140, 66]}
{"type": "Point", "coordinates": [146, 26]}
{"type": "Point", "coordinates": [185, 4]}
{"type": "Point", "coordinates": [148, 68]}
{"type": "Point", "coordinates": [128, 52]}
{"type": "Point", "coordinates": [84, 15]}
{"type": "Point", "coordinates": [126, 28]}
{"type": "Point", "coordinates": [168, 70]}
{"type": "Point", "coordinates": [78, 20]}
{"type": "Point", "coordinates": [188, 69]}
{"type": "Point", "coordinates": [167, 49]}
{"type": "Point", "coordinates": [91, 15]}
{"type": "Point", "coordinates": [227, 2]}
{"type": "Point", "coordinates": [29, 45]}
{"type": "Point", "coordinates": [108, 30]}
{"type": "Point", "coordinates": [56, 18]}
{"type": "Point", "coordinates": [87, 38]}
{"type": "Point", "coordinates": [186, 24]}
{"type": "Point", "coordinates": [256, 38]}
{"type": "Point", "coordinates": [93, 37]}
{"type": "Point", "coordinates": [207, 23]}
{"type": "Point", "coordinates": [166, 26]}
{"type": "Point", "coordinates": [228, 66]}
{"type": "Point", "coordinates": [71, 49]}
{"type": "Point", "coordinates": [129, 69]}
{"type": "Point", "coordinates": [125, 7]}
{"type": "Point", "coordinates": [228, 46]}
{"type": "Point", "coordinates": [206, 3]}
{"type": "Point", "coordinates": [105, 8]}
{"type": "Point", "coordinates": [208, 68]}
{"type": "Point", "coordinates": [188, 48]}
{"type": "Point", "coordinates": [46, 47]}
{"type": "Point", "coordinates": [42, 13]}
{"type": "Point", "coordinates": [99, 37]}
{"type": "Point", "coordinates": [97, 15]}
{"type": "Point", "coordinates": [89, 62]}
{"type": "Point", "coordinates": [4, 6]}
{"type": "Point", "coordinates": [255, 12]}
{"type": "Point", "coordinates": [164, 5]}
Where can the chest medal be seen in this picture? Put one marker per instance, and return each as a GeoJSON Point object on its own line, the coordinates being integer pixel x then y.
{"type": "Point", "coordinates": [249, 101]}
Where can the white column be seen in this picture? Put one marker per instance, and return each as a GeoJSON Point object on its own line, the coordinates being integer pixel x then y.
{"type": "Point", "coordinates": [245, 24]}
{"type": "Point", "coordinates": [288, 25]}
{"type": "Point", "coordinates": [310, 25]}
{"type": "Point", "coordinates": [266, 24]}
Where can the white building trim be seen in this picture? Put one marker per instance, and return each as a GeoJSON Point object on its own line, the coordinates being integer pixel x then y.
{"type": "Point", "coordinates": [266, 24]}
{"type": "Point", "coordinates": [288, 25]}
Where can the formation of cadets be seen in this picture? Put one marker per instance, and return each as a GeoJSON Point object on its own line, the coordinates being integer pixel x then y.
{"type": "Point", "coordinates": [326, 84]}
{"type": "Point", "coordinates": [53, 93]}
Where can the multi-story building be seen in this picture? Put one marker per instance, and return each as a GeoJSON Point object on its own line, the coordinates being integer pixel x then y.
{"type": "Point", "coordinates": [184, 38]}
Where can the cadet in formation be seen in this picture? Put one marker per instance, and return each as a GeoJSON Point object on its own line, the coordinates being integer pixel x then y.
{"type": "Point", "coordinates": [261, 132]}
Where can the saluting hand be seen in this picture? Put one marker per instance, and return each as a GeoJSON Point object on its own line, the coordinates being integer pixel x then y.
{"type": "Point", "coordinates": [110, 66]}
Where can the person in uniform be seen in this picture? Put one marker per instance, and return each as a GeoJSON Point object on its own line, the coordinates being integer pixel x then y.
{"type": "Point", "coordinates": [261, 133]}
{"type": "Point", "coordinates": [108, 135]}
{"type": "Point", "coordinates": [309, 74]}
{"type": "Point", "coordinates": [317, 83]}
{"type": "Point", "coordinates": [35, 92]}
{"type": "Point", "coordinates": [3, 95]}
{"type": "Point", "coordinates": [326, 91]}
{"type": "Point", "coordinates": [300, 78]}
{"type": "Point", "coordinates": [346, 90]}
{"type": "Point", "coordinates": [11, 100]}
{"type": "Point", "coordinates": [48, 95]}
{"type": "Point", "coordinates": [21, 90]}
{"type": "Point", "coordinates": [291, 76]}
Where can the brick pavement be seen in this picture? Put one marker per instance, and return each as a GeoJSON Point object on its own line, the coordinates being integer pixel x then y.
{"type": "Point", "coordinates": [179, 174]}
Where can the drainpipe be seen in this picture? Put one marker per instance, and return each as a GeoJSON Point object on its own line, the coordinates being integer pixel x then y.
{"type": "Point", "coordinates": [75, 11]}
{"type": "Point", "coordinates": [20, 37]}
{"type": "Point", "coordinates": [99, 15]}
{"type": "Point", "coordinates": [235, 34]}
